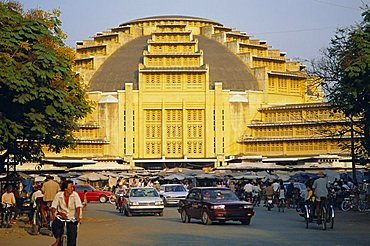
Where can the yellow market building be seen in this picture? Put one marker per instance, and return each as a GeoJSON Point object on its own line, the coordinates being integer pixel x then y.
{"type": "Point", "coordinates": [186, 91]}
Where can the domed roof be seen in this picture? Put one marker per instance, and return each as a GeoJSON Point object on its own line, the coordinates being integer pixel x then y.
{"type": "Point", "coordinates": [122, 67]}
{"type": "Point", "coordinates": [171, 17]}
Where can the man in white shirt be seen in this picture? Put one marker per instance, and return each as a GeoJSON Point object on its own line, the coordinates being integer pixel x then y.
{"type": "Point", "coordinates": [275, 186]}
{"type": "Point", "coordinates": [66, 204]}
{"type": "Point", "coordinates": [248, 189]}
{"type": "Point", "coordinates": [9, 198]}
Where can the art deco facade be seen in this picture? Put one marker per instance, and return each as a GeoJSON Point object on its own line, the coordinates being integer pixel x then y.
{"type": "Point", "coordinates": [176, 89]}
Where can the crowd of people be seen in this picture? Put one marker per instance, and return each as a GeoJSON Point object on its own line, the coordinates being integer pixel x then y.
{"type": "Point", "coordinates": [54, 200]}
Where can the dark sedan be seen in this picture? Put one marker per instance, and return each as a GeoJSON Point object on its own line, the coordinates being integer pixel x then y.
{"type": "Point", "coordinates": [214, 204]}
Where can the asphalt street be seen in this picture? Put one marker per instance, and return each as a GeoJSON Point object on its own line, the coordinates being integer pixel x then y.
{"type": "Point", "coordinates": [103, 225]}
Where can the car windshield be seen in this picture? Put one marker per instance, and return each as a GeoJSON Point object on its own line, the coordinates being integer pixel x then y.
{"type": "Point", "coordinates": [219, 195]}
{"type": "Point", "coordinates": [143, 193]}
{"type": "Point", "coordinates": [174, 188]}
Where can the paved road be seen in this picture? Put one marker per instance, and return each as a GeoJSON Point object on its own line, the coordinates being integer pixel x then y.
{"type": "Point", "coordinates": [102, 225]}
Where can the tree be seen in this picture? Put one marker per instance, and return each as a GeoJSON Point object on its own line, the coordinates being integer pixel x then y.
{"type": "Point", "coordinates": [41, 98]}
{"type": "Point", "coordinates": [344, 67]}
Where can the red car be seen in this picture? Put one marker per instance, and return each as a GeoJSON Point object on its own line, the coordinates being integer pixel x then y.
{"type": "Point", "coordinates": [92, 194]}
{"type": "Point", "coordinates": [212, 203]}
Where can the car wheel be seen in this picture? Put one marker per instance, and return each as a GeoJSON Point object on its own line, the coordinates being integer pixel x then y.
{"type": "Point", "coordinates": [165, 202]}
{"type": "Point", "coordinates": [103, 199]}
{"type": "Point", "coordinates": [184, 217]}
{"type": "Point", "coordinates": [128, 213]}
{"type": "Point", "coordinates": [246, 221]}
{"type": "Point", "coordinates": [205, 218]}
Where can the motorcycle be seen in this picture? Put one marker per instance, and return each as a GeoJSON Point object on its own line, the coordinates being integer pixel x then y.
{"type": "Point", "coordinates": [248, 197]}
{"type": "Point", "coordinates": [270, 203]}
{"type": "Point", "coordinates": [6, 216]}
{"type": "Point", "coordinates": [121, 201]}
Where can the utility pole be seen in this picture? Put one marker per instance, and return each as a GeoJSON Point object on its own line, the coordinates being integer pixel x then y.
{"type": "Point", "coordinates": [353, 154]}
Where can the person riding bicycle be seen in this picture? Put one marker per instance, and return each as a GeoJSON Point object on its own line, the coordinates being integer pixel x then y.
{"type": "Point", "coordinates": [68, 205]}
{"type": "Point", "coordinates": [9, 198]}
{"type": "Point", "coordinates": [320, 189]}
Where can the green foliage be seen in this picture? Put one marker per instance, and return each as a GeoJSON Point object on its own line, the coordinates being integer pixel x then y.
{"type": "Point", "coordinates": [41, 99]}
{"type": "Point", "coordinates": [345, 68]}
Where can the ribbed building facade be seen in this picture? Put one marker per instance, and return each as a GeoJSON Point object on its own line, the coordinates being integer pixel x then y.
{"type": "Point", "coordinates": [173, 90]}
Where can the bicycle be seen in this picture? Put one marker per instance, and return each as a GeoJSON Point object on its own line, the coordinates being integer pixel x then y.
{"type": "Point", "coordinates": [6, 216]}
{"type": "Point", "coordinates": [64, 237]}
{"type": "Point", "coordinates": [352, 203]}
{"type": "Point", "coordinates": [327, 215]}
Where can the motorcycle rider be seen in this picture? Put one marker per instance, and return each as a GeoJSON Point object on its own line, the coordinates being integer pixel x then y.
{"type": "Point", "coordinates": [121, 189]}
{"type": "Point", "coordinates": [248, 189]}
{"type": "Point", "coordinates": [268, 192]}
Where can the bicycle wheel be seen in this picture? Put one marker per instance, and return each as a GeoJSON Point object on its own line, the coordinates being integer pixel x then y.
{"type": "Point", "coordinates": [323, 218]}
{"type": "Point", "coordinates": [307, 217]}
{"type": "Point", "coordinates": [362, 206]}
{"type": "Point", "coordinates": [330, 217]}
{"type": "Point", "coordinates": [64, 240]}
{"type": "Point", "coordinates": [346, 205]}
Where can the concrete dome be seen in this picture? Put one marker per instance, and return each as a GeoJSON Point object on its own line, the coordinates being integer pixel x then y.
{"type": "Point", "coordinates": [122, 66]}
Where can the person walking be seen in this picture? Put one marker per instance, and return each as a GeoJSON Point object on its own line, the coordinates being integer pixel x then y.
{"type": "Point", "coordinates": [66, 204]}
{"type": "Point", "coordinates": [50, 188]}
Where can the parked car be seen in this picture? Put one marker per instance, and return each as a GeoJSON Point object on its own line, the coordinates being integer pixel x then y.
{"type": "Point", "coordinates": [92, 194]}
{"type": "Point", "coordinates": [172, 193]}
{"type": "Point", "coordinates": [143, 200]}
{"type": "Point", "coordinates": [215, 204]}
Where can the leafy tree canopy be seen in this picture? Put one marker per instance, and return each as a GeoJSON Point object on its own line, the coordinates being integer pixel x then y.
{"type": "Point", "coordinates": [345, 68]}
{"type": "Point", "coordinates": [41, 98]}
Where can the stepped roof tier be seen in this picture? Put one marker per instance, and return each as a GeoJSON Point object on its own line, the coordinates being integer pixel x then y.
{"type": "Point", "coordinates": [122, 67]}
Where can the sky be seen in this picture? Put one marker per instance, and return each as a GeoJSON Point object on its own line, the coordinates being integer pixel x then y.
{"type": "Point", "coordinates": [302, 28]}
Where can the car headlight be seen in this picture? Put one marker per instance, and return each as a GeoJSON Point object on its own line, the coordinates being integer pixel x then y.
{"type": "Point", "coordinates": [133, 203]}
{"type": "Point", "coordinates": [218, 206]}
{"type": "Point", "coordinates": [158, 203]}
{"type": "Point", "coordinates": [248, 206]}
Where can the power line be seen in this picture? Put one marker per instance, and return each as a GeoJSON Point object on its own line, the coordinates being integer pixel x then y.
{"type": "Point", "coordinates": [334, 4]}
{"type": "Point", "coordinates": [292, 31]}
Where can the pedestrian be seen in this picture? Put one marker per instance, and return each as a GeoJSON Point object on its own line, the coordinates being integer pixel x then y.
{"type": "Point", "coordinates": [38, 202]}
{"type": "Point", "coordinates": [50, 188]}
{"type": "Point", "coordinates": [289, 193]}
{"type": "Point", "coordinates": [84, 203]}
{"type": "Point", "coordinates": [66, 204]}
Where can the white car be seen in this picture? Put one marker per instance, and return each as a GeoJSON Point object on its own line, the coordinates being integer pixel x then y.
{"type": "Point", "coordinates": [143, 200]}
{"type": "Point", "coordinates": [173, 193]}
